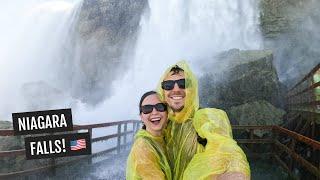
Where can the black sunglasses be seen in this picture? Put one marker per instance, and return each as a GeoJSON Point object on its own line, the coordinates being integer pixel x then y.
{"type": "Point", "coordinates": [146, 109]}
{"type": "Point", "coordinates": [169, 85]}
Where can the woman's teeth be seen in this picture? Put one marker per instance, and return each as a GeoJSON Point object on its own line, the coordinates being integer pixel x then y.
{"type": "Point", "coordinates": [155, 121]}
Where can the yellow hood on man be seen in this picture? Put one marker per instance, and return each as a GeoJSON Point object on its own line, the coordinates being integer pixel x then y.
{"type": "Point", "coordinates": [190, 160]}
{"type": "Point", "coordinates": [192, 98]}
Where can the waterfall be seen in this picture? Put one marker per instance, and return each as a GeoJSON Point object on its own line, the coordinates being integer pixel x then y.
{"type": "Point", "coordinates": [171, 30]}
{"type": "Point", "coordinates": [33, 48]}
{"type": "Point", "coordinates": [36, 69]}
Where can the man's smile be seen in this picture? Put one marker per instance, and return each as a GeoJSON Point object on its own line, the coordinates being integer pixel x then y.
{"type": "Point", "coordinates": [177, 97]}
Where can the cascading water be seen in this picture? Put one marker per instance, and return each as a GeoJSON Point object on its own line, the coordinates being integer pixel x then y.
{"type": "Point", "coordinates": [172, 30]}
{"type": "Point", "coordinates": [32, 50]}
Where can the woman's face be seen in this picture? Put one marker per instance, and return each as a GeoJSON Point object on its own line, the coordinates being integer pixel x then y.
{"type": "Point", "coordinates": [155, 121]}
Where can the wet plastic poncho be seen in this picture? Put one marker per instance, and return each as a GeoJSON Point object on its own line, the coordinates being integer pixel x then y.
{"type": "Point", "coordinates": [147, 159]}
{"type": "Point", "coordinates": [188, 158]}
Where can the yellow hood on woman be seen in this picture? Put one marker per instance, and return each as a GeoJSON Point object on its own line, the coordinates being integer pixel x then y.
{"type": "Point", "coordinates": [191, 100]}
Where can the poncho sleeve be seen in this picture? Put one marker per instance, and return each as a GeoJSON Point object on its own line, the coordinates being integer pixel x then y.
{"type": "Point", "coordinates": [221, 154]}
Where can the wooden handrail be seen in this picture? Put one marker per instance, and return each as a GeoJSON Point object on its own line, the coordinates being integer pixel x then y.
{"type": "Point", "coordinates": [313, 86]}
{"type": "Point", "coordinates": [10, 132]}
{"type": "Point", "coordinates": [101, 125]}
{"type": "Point", "coordinates": [315, 69]}
{"type": "Point", "coordinates": [313, 143]}
{"type": "Point", "coordinates": [76, 127]}
{"type": "Point", "coordinates": [12, 153]}
{"type": "Point", "coordinates": [6, 132]}
{"type": "Point", "coordinates": [314, 170]}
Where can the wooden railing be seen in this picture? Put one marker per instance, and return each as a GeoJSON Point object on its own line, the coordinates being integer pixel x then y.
{"type": "Point", "coordinates": [276, 133]}
{"type": "Point", "coordinates": [303, 118]}
{"type": "Point", "coordinates": [288, 149]}
{"type": "Point", "coordinates": [305, 95]}
{"type": "Point", "coordinates": [121, 135]}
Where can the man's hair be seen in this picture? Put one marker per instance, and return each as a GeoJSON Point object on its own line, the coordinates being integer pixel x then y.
{"type": "Point", "coordinates": [176, 69]}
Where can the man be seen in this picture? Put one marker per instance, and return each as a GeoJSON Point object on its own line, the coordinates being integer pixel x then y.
{"type": "Point", "coordinates": [199, 141]}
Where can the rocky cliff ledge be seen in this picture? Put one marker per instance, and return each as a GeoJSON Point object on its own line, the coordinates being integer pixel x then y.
{"type": "Point", "coordinates": [106, 30]}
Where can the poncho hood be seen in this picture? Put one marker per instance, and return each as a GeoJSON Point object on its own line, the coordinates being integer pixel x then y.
{"type": "Point", "coordinates": [192, 98]}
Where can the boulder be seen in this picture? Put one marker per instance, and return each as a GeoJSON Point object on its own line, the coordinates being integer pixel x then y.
{"type": "Point", "coordinates": [250, 76]}
{"type": "Point", "coordinates": [256, 113]}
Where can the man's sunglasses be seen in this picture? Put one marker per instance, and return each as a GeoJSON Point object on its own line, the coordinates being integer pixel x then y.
{"type": "Point", "coordinates": [146, 109]}
{"type": "Point", "coordinates": [169, 85]}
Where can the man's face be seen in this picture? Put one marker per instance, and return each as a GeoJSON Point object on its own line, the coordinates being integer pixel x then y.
{"type": "Point", "coordinates": [175, 97]}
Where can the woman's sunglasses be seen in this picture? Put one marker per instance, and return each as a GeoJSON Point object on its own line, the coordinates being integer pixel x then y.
{"type": "Point", "coordinates": [146, 109]}
{"type": "Point", "coordinates": [169, 85]}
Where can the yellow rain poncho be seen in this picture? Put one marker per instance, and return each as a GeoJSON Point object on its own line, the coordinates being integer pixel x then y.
{"type": "Point", "coordinates": [188, 158]}
{"type": "Point", "coordinates": [147, 159]}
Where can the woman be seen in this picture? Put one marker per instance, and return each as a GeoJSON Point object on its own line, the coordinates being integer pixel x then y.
{"type": "Point", "coordinates": [148, 158]}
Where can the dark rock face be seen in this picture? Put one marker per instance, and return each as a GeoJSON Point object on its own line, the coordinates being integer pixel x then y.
{"type": "Point", "coordinates": [106, 31]}
{"type": "Point", "coordinates": [251, 77]}
{"type": "Point", "coordinates": [249, 83]}
{"type": "Point", "coordinates": [291, 29]}
{"type": "Point", "coordinates": [116, 18]}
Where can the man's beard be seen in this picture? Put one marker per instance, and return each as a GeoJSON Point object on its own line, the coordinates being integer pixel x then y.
{"type": "Point", "coordinates": [177, 110]}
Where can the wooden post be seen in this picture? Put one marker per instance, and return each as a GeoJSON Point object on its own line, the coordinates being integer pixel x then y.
{"type": "Point", "coordinates": [137, 127]}
{"type": "Point", "coordinates": [53, 169]}
{"type": "Point", "coordinates": [292, 147]}
{"type": "Point", "coordinates": [251, 138]}
{"type": "Point", "coordinates": [125, 134]}
{"type": "Point", "coordinates": [274, 138]}
{"type": "Point", "coordinates": [90, 133]}
{"type": "Point", "coordinates": [119, 139]}
{"type": "Point", "coordinates": [52, 163]}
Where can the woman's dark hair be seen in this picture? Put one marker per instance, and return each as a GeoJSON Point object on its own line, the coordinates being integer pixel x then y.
{"type": "Point", "coordinates": [141, 100]}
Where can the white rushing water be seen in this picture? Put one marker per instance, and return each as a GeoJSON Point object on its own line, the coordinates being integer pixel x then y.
{"type": "Point", "coordinates": [173, 30]}
{"type": "Point", "coordinates": [33, 44]}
